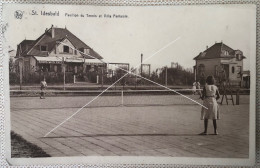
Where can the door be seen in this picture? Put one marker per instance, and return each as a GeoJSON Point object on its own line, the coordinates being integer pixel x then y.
{"type": "Point", "coordinates": [226, 69]}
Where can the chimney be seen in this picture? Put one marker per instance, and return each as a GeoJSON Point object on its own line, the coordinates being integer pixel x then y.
{"type": "Point", "coordinates": [86, 51]}
{"type": "Point", "coordinates": [52, 32]}
{"type": "Point", "coordinates": [207, 47]}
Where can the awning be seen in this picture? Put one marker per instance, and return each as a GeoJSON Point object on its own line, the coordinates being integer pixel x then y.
{"type": "Point", "coordinates": [227, 62]}
{"type": "Point", "coordinates": [93, 62]}
{"type": "Point", "coordinates": [86, 61]}
{"type": "Point", "coordinates": [48, 60]}
{"type": "Point", "coordinates": [246, 73]}
{"type": "Point", "coordinates": [58, 60]}
{"type": "Point", "coordinates": [74, 60]}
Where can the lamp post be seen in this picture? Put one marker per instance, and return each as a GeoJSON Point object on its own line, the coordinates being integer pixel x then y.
{"type": "Point", "coordinates": [102, 76]}
{"type": "Point", "coordinates": [141, 68]}
{"type": "Point", "coordinates": [64, 75]}
{"type": "Point", "coordinates": [21, 74]}
{"type": "Point", "coordinates": [63, 69]}
{"type": "Point", "coordinates": [141, 64]}
{"type": "Point", "coordinates": [166, 75]}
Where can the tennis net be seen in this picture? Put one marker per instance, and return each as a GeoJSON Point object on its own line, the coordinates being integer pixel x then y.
{"type": "Point", "coordinates": [110, 98]}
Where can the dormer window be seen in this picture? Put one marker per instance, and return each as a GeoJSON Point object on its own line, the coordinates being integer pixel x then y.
{"type": "Point", "coordinates": [81, 50]}
{"type": "Point", "coordinates": [43, 48]}
{"type": "Point", "coordinates": [86, 50]}
{"type": "Point", "coordinates": [66, 49]}
{"type": "Point", "coordinates": [226, 53]}
{"type": "Point", "coordinates": [239, 57]}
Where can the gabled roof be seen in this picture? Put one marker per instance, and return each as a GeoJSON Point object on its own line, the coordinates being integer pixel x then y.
{"type": "Point", "coordinates": [216, 51]}
{"type": "Point", "coordinates": [46, 39]}
{"type": "Point", "coordinates": [23, 47]}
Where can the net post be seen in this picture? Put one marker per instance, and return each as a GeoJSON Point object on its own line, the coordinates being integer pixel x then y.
{"type": "Point", "coordinates": [237, 97]}
{"type": "Point", "coordinates": [122, 98]}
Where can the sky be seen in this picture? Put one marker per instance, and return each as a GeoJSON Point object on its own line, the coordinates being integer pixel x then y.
{"type": "Point", "coordinates": [145, 30]}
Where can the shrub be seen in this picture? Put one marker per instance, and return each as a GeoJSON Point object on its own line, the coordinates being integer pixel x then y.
{"type": "Point", "coordinates": [13, 78]}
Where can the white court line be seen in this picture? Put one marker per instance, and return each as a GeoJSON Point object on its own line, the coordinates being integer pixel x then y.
{"type": "Point", "coordinates": [107, 87]}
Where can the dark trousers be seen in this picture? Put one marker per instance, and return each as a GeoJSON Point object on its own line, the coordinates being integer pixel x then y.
{"type": "Point", "coordinates": [42, 93]}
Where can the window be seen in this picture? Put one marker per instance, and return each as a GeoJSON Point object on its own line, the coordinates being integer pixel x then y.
{"type": "Point", "coordinates": [51, 68]}
{"type": "Point", "coordinates": [201, 69]}
{"type": "Point", "coordinates": [75, 52]}
{"type": "Point", "coordinates": [226, 53]}
{"type": "Point", "coordinates": [233, 69]}
{"type": "Point", "coordinates": [86, 50]}
{"type": "Point", "coordinates": [216, 70]}
{"type": "Point", "coordinates": [55, 68]}
{"type": "Point", "coordinates": [66, 49]}
{"type": "Point", "coordinates": [81, 50]}
{"type": "Point", "coordinates": [239, 68]}
{"type": "Point", "coordinates": [43, 48]}
{"type": "Point", "coordinates": [59, 68]}
{"type": "Point", "coordinates": [70, 68]}
{"type": "Point", "coordinates": [238, 56]}
{"type": "Point", "coordinates": [45, 67]}
{"type": "Point", "coordinates": [75, 69]}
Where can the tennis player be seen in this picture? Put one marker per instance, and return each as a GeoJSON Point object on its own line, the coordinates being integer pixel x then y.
{"type": "Point", "coordinates": [196, 87]}
{"type": "Point", "coordinates": [210, 95]}
{"type": "Point", "coordinates": [43, 87]}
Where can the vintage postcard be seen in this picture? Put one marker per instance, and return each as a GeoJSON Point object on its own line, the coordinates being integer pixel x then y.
{"type": "Point", "coordinates": [129, 85]}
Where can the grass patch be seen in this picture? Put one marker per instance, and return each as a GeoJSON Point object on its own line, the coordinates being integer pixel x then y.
{"type": "Point", "coordinates": [22, 148]}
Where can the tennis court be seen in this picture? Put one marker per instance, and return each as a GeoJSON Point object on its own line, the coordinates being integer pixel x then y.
{"type": "Point", "coordinates": [130, 124]}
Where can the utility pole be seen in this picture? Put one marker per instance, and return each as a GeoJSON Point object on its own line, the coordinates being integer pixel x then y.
{"type": "Point", "coordinates": [150, 70]}
{"type": "Point", "coordinates": [102, 76]}
{"type": "Point", "coordinates": [166, 76]}
{"type": "Point", "coordinates": [64, 73]}
{"type": "Point", "coordinates": [21, 75]}
{"type": "Point", "coordinates": [141, 64]}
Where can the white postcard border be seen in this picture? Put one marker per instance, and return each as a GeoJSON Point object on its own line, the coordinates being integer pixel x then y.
{"type": "Point", "coordinates": [123, 160]}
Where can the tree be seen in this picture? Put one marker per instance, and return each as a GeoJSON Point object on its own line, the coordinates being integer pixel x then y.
{"type": "Point", "coordinates": [177, 75]}
{"type": "Point", "coordinates": [11, 65]}
{"type": "Point", "coordinates": [154, 75]}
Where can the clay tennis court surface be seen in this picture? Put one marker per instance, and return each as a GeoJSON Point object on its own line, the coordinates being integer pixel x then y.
{"type": "Point", "coordinates": [153, 128]}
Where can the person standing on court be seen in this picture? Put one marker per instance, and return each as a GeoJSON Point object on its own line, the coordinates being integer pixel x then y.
{"type": "Point", "coordinates": [196, 87]}
{"type": "Point", "coordinates": [43, 87]}
{"type": "Point", "coordinates": [210, 95]}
